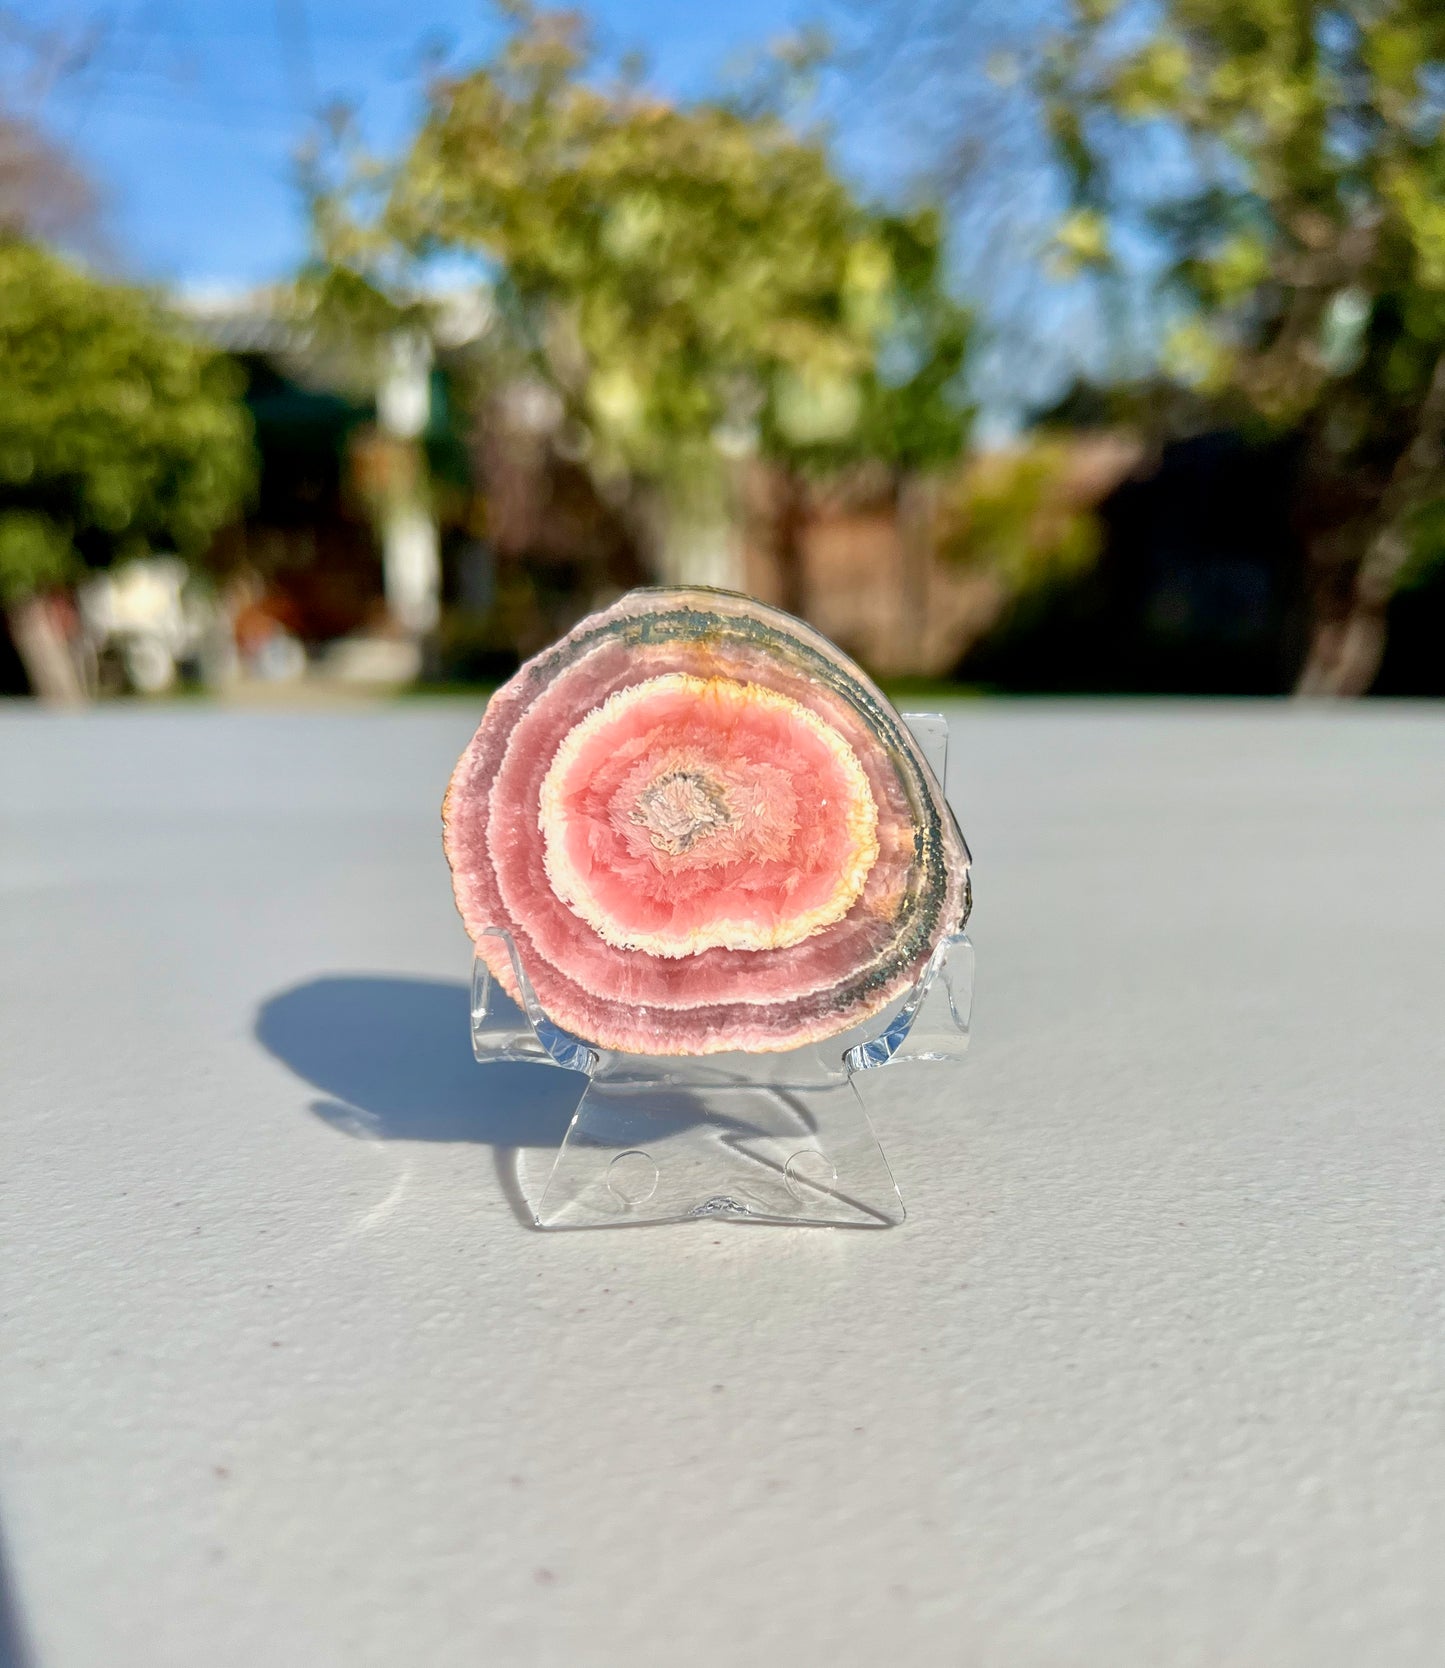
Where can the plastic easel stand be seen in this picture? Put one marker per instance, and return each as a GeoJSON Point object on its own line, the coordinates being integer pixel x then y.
{"type": "Point", "coordinates": [769, 1138]}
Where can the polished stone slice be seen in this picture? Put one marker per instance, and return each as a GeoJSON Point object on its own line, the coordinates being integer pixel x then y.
{"type": "Point", "coordinates": [705, 829]}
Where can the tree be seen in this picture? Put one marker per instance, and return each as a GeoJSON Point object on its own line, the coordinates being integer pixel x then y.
{"type": "Point", "coordinates": [44, 193]}
{"type": "Point", "coordinates": [119, 434]}
{"type": "Point", "coordinates": [687, 281]}
{"type": "Point", "coordinates": [902, 409]}
{"type": "Point", "coordinates": [1306, 253]}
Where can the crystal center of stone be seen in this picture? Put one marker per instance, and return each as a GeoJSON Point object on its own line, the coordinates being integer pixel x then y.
{"type": "Point", "coordinates": [680, 809]}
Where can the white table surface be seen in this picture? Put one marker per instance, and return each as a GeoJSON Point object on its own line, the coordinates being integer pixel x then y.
{"type": "Point", "coordinates": [1153, 1375]}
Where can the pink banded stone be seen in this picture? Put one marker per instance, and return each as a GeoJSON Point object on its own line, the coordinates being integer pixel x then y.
{"type": "Point", "coordinates": [705, 829]}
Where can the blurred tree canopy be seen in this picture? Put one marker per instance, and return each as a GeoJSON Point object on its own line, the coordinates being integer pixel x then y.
{"type": "Point", "coordinates": [690, 282]}
{"type": "Point", "coordinates": [119, 434]}
{"type": "Point", "coordinates": [1306, 252]}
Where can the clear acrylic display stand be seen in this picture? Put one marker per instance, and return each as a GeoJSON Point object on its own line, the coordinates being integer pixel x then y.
{"type": "Point", "coordinates": [781, 1138]}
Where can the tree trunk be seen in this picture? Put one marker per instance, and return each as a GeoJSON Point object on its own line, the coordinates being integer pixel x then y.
{"type": "Point", "coordinates": [698, 550]}
{"type": "Point", "coordinates": [1344, 655]}
{"type": "Point", "coordinates": [45, 653]}
{"type": "Point", "coordinates": [686, 541]}
{"type": "Point", "coordinates": [790, 520]}
{"type": "Point", "coordinates": [1346, 649]}
{"type": "Point", "coordinates": [913, 499]}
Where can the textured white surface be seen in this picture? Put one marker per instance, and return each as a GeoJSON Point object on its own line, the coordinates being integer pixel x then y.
{"type": "Point", "coordinates": [1154, 1374]}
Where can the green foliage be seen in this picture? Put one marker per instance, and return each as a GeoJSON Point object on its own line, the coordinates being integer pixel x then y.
{"type": "Point", "coordinates": [118, 432]}
{"type": "Point", "coordinates": [35, 554]}
{"type": "Point", "coordinates": [903, 405]}
{"type": "Point", "coordinates": [687, 279]}
{"type": "Point", "coordinates": [1309, 258]}
{"type": "Point", "coordinates": [1014, 515]}
{"type": "Point", "coordinates": [1426, 545]}
{"type": "Point", "coordinates": [1081, 241]}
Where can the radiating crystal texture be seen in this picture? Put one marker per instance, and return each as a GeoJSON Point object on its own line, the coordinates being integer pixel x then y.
{"type": "Point", "coordinates": [705, 829]}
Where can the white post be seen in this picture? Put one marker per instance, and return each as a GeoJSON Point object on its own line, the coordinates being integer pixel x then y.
{"type": "Point", "coordinates": [410, 552]}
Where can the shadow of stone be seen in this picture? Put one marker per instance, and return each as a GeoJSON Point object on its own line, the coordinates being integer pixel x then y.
{"type": "Point", "coordinates": [392, 1058]}
{"type": "Point", "coordinates": [393, 1061]}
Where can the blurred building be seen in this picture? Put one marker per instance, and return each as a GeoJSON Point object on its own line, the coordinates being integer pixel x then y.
{"type": "Point", "coordinates": [366, 495]}
{"type": "Point", "coordinates": [304, 561]}
{"type": "Point", "coordinates": [414, 524]}
{"type": "Point", "coordinates": [872, 580]}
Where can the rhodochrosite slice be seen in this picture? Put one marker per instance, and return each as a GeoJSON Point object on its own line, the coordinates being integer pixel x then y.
{"type": "Point", "coordinates": [705, 829]}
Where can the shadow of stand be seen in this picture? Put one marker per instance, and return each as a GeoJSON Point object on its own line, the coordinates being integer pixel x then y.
{"type": "Point", "coordinates": [779, 1137]}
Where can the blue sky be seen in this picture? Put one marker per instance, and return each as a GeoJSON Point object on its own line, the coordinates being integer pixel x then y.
{"type": "Point", "coordinates": [189, 115]}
